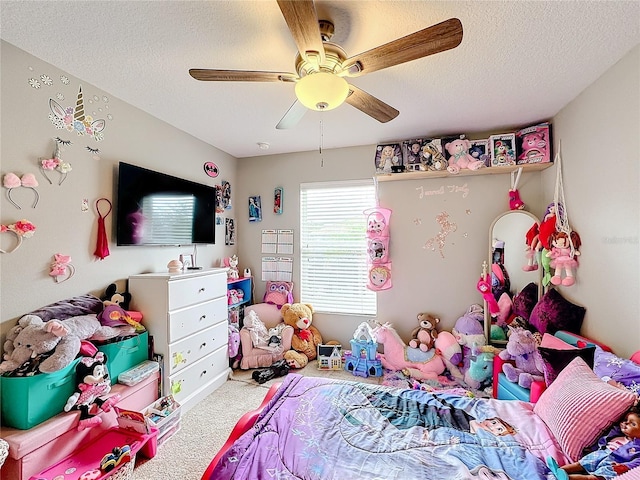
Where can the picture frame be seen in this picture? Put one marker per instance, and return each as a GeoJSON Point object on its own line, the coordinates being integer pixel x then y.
{"type": "Point", "coordinates": [187, 261]}
{"type": "Point", "coordinates": [255, 209]}
{"type": "Point", "coordinates": [229, 231]}
{"type": "Point", "coordinates": [278, 194]}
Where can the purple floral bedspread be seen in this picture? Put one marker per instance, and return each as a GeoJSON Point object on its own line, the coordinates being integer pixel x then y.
{"type": "Point", "coordinates": [322, 429]}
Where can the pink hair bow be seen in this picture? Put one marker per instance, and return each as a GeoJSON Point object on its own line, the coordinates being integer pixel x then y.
{"type": "Point", "coordinates": [60, 267]}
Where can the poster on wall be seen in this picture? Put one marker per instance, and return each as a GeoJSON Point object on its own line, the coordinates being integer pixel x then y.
{"type": "Point", "coordinates": [229, 232]}
{"type": "Point", "coordinates": [255, 209]}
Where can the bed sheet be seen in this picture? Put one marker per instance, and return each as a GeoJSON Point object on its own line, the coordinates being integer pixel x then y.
{"type": "Point", "coordinates": [318, 428]}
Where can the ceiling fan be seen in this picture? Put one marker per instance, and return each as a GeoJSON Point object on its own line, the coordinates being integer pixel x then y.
{"type": "Point", "coordinates": [321, 66]}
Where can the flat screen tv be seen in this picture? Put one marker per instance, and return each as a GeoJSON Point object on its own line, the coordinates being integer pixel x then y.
{"type": "Point", "coordinates": [158, 209]}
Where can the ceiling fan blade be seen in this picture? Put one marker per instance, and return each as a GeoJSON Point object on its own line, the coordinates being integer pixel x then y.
{"type": "Point", "coordinates": [240, 76]}
{"type": "Point", "coordinates": [437, 38]}
{"type": "Point", "coordinates": [292, 117]}
{"type": "Point", "coordinates": [370, 105]}
{"type": "Point", "coordinates": [302, 20]}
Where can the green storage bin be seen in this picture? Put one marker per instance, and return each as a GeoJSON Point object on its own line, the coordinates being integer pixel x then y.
{"type": "Point", "coordinates": [126, 354]}
{"type": "Point", "coordinates": [29, 401]}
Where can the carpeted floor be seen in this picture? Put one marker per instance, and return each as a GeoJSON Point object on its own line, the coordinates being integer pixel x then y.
{"type": "Point", "coordinates": [205, 428]}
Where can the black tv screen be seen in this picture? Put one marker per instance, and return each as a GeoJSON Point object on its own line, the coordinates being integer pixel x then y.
{"type": "Point", "coordinates": [158, 209]}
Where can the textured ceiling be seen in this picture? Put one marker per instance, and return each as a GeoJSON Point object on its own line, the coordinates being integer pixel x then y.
{"type": "Point", "coordinates": [519, 62]}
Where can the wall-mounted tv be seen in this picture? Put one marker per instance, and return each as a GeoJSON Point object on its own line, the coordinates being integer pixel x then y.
{"type": "Point", "coordinates": [158, 209]}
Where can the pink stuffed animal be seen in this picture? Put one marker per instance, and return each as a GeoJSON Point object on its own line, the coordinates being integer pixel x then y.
{"type": "Point", "coordinates": [460, 156]}
{"type": "Point", "coordinates": [533, 145]}
{"type": "Point", "coordinates": [522, 349]}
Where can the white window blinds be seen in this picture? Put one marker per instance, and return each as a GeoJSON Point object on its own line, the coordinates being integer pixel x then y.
{"type": "Point", "coordinates": [333, 247]}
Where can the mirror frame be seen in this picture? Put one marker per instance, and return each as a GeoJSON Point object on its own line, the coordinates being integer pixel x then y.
{"type": "Point", "coordinates": [538, 279]}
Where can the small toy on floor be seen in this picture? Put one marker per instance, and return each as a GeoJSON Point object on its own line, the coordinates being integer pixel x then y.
{"type": "Point", "coordinates": [278, 369]}
{"type": "Point", "coordinates": [116, 457]}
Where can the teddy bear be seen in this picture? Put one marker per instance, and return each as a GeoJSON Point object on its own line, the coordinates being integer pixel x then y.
{"type": "Point", "coordinates": [32, 338]}
{"type": "Point", "coordinates": [522, 349]}
{"type": "Point", "coordinates": [306, 337]}
{"type": "Point", "coordinates": [460, 157]}
{"type": "Point", "coordinates": [423, 336]}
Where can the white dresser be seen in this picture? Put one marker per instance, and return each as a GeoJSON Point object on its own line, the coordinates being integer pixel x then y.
{"type": "Point", "coordinates": [186, 313]}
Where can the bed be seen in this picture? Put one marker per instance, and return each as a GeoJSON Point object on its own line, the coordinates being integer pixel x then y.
{"type": "Point", "coordinates": [319, 428]}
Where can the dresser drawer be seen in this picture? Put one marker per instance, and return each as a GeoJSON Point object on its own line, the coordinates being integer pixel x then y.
{"type": "Point", "coordinates": [187, 351]}
{"type": "Point", "coordinates": [198, 375]}
{"type": "Point", "coordinates": [190, 291]}
{"type": "Point", "coordinates": [187, 321]}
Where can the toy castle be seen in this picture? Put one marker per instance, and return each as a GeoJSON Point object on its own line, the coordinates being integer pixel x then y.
{"type": "Point", "coordinates": [363, 359]}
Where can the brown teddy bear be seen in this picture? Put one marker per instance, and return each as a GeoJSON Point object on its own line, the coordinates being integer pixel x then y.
{"type": "Point", "coordinates": [423, 336]}
{"type": "Point", "coordinates": [306, 337]}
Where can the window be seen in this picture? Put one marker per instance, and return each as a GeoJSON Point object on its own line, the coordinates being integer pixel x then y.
{"type": "Point", "coordinates": [333, 247]}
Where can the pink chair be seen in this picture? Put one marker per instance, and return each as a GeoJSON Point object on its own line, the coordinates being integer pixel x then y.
{"type": "Point", "coordinates": [253, 357]}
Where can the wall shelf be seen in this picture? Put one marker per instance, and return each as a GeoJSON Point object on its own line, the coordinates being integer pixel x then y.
{"type": "Point", "coordinates": [529, 167]}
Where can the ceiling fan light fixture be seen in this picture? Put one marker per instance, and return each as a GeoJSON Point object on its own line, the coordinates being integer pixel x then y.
{"type": "Point", "coordinates": [322, 91]}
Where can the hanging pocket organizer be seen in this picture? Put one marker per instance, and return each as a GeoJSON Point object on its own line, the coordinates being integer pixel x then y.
{"type": "Point", "coordinates": [379, 265]}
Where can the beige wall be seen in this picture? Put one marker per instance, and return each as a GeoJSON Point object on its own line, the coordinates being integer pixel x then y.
{"type": "Point", "coordinates": [599, 132]}
{"type": "Point", "coordinates": [131, 136]}
{"type": "Point", "coordinates": [601, 184]}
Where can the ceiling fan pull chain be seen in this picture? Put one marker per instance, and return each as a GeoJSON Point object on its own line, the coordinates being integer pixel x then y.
{"type": "Point", "coordinates": [321, 141]}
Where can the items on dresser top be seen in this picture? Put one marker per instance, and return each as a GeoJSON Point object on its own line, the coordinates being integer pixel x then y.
{"type": "Point", "coordinates": [186, 314]}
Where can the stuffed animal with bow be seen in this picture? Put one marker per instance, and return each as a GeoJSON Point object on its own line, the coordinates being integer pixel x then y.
{"type": "Point", "coordinates": [522, 351]}
{"type": "Point", "coordinates": [93, 384]}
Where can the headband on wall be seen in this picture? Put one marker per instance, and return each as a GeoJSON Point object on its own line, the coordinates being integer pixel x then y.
{"type": "Point", "coordinates": [55, 163]}
{"type": "Point", "coordinates": [21, 229]}
{"type": "Point", "coordinates": [61, 268]}
{"type": "Point", "coordinates": [28, 180]}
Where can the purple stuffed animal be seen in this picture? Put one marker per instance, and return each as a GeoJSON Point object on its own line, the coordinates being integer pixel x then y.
{"type": "Point", "coordinates": [522, 348]}
{"type": "Point", "coordinates": [469, 330]}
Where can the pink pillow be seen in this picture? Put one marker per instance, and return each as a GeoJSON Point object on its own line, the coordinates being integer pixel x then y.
{"type": "Point", "coordinates": [551, 341]}
{"type": "Point", "coordinates": [578, 406]}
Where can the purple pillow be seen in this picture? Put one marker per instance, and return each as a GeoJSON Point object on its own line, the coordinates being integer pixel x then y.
{"type": "Point", "coordinates": [554, 312]}
{"type": "Point", "coordinates": [524, 301]}
{"type": "Point", "coordinates": [555, 360]}
{"type": "Point", "coordinates": [611, 367]}
{"type": "Point", "coordinates": [72, 307]}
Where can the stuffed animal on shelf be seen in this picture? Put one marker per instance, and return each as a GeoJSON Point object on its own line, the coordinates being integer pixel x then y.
{"type": "Point", "coordinates": [460, 157]}
{"type": "Point", "coordinates": [563, 254]}
{"type": "Point", "coordinates": [423, 336]}
{"type": "Point", "coordinates": [469, 330]}
{"type": "Point", "coordinates": [33, 337]}
{"type": "Point", "coordinates": [93, 383]}
{"type": "Point", "coordinates": [306, 337]}
{"type": "Point", "coordinates": [522, 349]}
